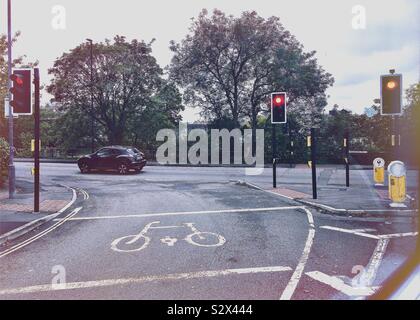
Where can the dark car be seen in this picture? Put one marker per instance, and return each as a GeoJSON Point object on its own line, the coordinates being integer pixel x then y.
{"type": "Point", "coordinates": [118, 158]}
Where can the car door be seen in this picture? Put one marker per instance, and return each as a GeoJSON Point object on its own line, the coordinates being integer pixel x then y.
{"type": "Point", "coordinates": [103, 158]}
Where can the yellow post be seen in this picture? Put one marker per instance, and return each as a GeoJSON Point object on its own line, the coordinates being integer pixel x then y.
{"type": "Point", "coordinates": [379, 171]}
{"type": "Point", "coordinates": [397, 183]}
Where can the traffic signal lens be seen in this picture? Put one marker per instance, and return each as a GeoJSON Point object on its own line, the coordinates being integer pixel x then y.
{"type": "Point", "coordinates": [278, 107]}
{"type": "Point", "coordinates": [391, 85]}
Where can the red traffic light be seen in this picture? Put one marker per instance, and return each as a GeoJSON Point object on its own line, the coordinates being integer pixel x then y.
{"type": "Point", "coordinates": [278, 101]}
{"type": "Point", "coordinates": [16, 79]}
{"type": "Point", "coordinates": [21, 90]}
{"type": "Point", "coordinates": [278, 107]}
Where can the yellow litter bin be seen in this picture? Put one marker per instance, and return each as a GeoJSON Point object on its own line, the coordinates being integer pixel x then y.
{"type": "Point", "coordinates": [379, 171]}
{"type": "Point", "coordinates": [397, 183]}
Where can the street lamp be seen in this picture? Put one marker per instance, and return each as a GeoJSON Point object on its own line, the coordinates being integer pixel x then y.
{"type": "Point", "coordinates": [92, 133]}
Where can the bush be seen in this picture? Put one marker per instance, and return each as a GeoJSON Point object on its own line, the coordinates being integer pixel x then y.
{"type": "Point", "coordinates": [4, 160]}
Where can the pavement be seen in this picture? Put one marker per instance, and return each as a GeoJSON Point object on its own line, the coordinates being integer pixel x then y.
{"type": "Point", "coordinates": [19, 211]}
{"type": "Point", "coordinates": [362, 198]}
{"type": "Point", "coordinates": [199, 233]}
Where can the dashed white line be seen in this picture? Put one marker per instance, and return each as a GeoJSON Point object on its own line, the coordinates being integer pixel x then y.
{"type": "Point", "coordinates": [113, 282]}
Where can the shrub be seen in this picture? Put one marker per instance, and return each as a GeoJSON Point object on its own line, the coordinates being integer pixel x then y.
{"type": "Point", "coordinates": [4, 160]}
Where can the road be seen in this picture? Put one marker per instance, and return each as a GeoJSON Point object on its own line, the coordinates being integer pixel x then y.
{"type": "Point", "coordinates": [194, 233]}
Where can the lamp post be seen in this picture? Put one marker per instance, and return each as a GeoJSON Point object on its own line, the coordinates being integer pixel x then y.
{"type": "Point", "coordinates": [92, 127]}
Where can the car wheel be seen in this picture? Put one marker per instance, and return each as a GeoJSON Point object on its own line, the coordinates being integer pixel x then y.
{"type": "Point", "coordinates": [84, 167]}
{"type": "Point", "coordinates": [122, 168]}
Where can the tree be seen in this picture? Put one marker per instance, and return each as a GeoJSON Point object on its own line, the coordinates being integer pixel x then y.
{"type": "Point", "coordinates": [126, 77]}
{"type": "Point", "coordinates": [229, 66]}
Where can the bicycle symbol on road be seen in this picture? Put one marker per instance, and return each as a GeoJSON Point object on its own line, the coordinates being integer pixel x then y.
{"type": "Point", "coordinates": [138, 242]}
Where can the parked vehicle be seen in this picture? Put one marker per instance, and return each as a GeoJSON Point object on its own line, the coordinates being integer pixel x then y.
{"type": "Point", "coordinates": [116, 158]}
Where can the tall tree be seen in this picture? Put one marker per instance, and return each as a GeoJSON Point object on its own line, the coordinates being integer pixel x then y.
{"type": "Point", "coordinates": [228, 66]}
{"type": "Point", "coordinates": [126, 76]}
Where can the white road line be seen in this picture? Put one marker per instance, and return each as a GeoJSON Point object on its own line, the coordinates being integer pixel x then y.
{"type": "Point", "coordinates": [398, 235]}
{"type": "Point", "coordinates": [113, 282]}
{"type": "Point", "coordinates": [297, 274]}
{"type": "Point", "coordinates": [85, 194]}
{"type": "Point", "coordinates": [375, 261]}
{"type": "Point", "coordinates": [365, 230]}
{"type": "Point", "coordinates": [147, 215]}
{"type": "Point", "coordinates": [310, 217]}
{"type": "Point", "coordinates": [39, 235]}
{"type": "Point", "coordinates": [355, 232]}
{"type": "Point", "coordinates": [338, 284]}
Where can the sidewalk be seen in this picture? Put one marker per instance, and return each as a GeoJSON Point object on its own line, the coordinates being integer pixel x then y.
{"type": "Point", "coordinates": [18, 212]}
{"type": "Point", "coordinates": [362, 198]}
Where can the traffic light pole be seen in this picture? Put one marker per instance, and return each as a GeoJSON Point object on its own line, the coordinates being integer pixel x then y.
{"type": "Point", "coordinates": [347, 154]}
{"type": "Point", "coordinates": [37, 138]}
{"type": "Point", "coordinates": [12, 185]}
{"type": "Point", "coordinates": [274, 156]}
{"type": "Point", "coordinates": [313, 164]}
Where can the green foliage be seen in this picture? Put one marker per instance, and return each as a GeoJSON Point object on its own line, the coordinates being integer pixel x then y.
{"type": "Point", "coordinates": [126, 77]}
{"type": "Point", "coordinates": [228, 67]}
{"type": "Point", "coordinates": [4, 160]}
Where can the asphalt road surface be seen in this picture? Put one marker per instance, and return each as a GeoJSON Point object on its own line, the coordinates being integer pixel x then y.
{"type": "Point", "coordinates": [194, 233]}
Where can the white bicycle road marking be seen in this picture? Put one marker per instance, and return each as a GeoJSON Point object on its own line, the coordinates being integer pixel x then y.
{"type": "Point", "coordinates": [141, 241]}
{"type": "Point", "coordinates": [143, 279]}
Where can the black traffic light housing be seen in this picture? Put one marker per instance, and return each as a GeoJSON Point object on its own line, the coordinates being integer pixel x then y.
{"type": "Point", "coordinates": [278, 107]}
{"type": "Point", "coordinates": [391, 94]}
{"type": "Point", "coordinates": [21, 91]}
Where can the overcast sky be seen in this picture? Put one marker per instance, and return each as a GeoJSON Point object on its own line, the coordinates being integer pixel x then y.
{"type": "Point", "coordinates": [356, 58]}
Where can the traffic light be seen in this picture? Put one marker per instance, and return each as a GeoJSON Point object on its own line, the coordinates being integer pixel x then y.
{"type": "Point", "coordinates": [391, 94]}
{"type": "Point", "coordinates": [278, 107]}
{"type": "Point", "coordinates": [21, 91]}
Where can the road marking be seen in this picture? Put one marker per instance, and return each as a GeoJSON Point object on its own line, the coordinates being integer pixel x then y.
{"type": "Point", "coordinates": [310, 217]}
{"type": "Point", "coordinates": [297, 274]}
{"type": "Point", "coordinates": [365, 230]}
{"type": "Point", "coordinates": [148, 215]}
{"type": "Point", "coordinates": [398, 235]}
{"type": "Point", "coordinates": [85, 194]}
{"type": "Point", "coordinates": [113, 282]}
{"type": "Point", "coordinates": [338, 284]}
{"type": "Point", "coordinates": [39, 235]}
{"type": "Point", "coordinates": [355, 232]}
{"type": "Point", "coordinates": [375, 261]}
{"type": "Point", "coordinates": [140, 241]}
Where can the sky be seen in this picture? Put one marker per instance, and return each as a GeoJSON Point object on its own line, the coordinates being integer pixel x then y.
{"type": "Point", "coordinates": [355, 57]}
